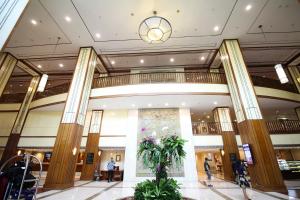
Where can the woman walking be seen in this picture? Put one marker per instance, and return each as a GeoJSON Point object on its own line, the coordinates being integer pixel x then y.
{"type": "Point", "coordinates": [242, 179]}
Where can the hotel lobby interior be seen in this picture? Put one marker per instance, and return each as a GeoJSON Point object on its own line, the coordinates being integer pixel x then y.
{"type": "Point", "coordinates": [172, 91]}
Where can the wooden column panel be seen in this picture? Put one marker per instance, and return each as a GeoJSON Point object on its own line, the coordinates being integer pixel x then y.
{"type": "Point", "coordinates": [265, 173]}
{"type": "Point", "coordinates": [92, 144]}
{"type": "Point", "coordinates": [230, 147]}
{"type": "Point", "coordinates": [62, 166]}
{"type": "Point", "coordinates": [11, 147]}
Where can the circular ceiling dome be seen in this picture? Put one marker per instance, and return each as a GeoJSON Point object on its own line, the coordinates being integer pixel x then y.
{"type": "Point", "coordinates": [155, 30]}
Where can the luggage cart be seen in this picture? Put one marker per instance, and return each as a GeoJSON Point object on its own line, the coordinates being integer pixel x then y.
{"type": "Point", "coordinates": [27, 159]}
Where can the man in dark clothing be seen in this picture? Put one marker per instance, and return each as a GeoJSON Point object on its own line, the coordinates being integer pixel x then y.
{"type": "Point", "coordinates": [110, 169]}
{"type": "Point", "coordinates": [207, 171]}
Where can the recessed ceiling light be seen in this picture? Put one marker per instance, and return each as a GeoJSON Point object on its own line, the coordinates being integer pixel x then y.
{"type": "Point", "coordinates": [166, 104]}
{"type": "Point", "coordinates": [112, 62]}
{"type": "Point", "coordinates": [149, 104]}
{"type": "Point", "coordinates": [183, 103]}
{"type": "Point", "coordinates": [98, 35]}
{"type": "Point", "coordinates": [142, 61]}
{"type": "Point", "coordinates": [171, 59]}
{"type": "Point", "coordinates": [132, 105]}
{"type": "Point", "coordinates": [202, 121]}
{"type": "Point", "coordinates": [216, 28]}
{"type": "Point", "coordinates": [61, 65]}
{"type": "Point", "coordinates": [248, 7]}
{"type": "Point", "coordinates": [68, 19]}
{"type": "Point", "coordinates": [215, 102]}
{"type": "Point", "coordinates": [39, 66]}
{"type": "Point", "coordinates": [34, 22]}
{"type": "Point", "coordinates": [104, 106]}
{"type": "Point", "coordinates": [202, 58]}
{"type": "Point", "coordinates": [207, 116]}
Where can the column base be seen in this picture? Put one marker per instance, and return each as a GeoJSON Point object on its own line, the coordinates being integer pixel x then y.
{"type": "Point", "coordinates": [61, 172]}
{"type": "Point", "coordinates": [265, 174]}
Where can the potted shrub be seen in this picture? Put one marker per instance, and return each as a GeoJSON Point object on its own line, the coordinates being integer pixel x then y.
{"type": "Point", "coordinates": [159, 156]}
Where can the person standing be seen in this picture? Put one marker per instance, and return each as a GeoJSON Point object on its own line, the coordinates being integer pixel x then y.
{"type": "Point", "coordinates": [243, 181]}
{"type": "Point", "coordinates": [207, 171]}
{"type": "Point", "coordinates": [110, 169]}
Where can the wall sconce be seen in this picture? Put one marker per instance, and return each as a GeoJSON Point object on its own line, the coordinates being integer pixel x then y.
{"type": "Point", "coordinates": [43, 83]}
{"type": "Point", "coordinates": [222, 152]}
{"type": "Point", "coordinates": [281, 74]}
{"type": "Point", "coordinates": [99, 153]}
{"type": "Point", "coordinates": [74, 151]}
{"type": "Point", "coordinates": [19, 152]}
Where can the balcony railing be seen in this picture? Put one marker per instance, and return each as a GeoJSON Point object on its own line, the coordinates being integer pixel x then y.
{"type": "Point", "coordinates": [274, 127]}
{"type": "Point", "coordinates": [159, 77]}
{"type": "Point", "coordinates": [271, 83]}
{"type": "Point", "coordinates": [152, 78]}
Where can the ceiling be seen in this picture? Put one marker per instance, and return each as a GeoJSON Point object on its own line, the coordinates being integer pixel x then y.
{"type": "Point", "coordinates": [201, 105]}
{"type": "Point", "coordinates": [193, 36]}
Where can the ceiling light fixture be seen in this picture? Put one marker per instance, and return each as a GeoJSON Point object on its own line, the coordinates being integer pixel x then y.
{"type": "Point", "coordinates": [215, 102]}
{"type": "Point", "coordinates": [43, 82]}
{"type": "Point", "coordinates": [39, 66]}
{"type": "Point", "coordinates": [183, 103]}
{"type": "Point", "coordinates": [142, 61]}
{"type": "Point", "coordinates": [132, 105]}
{"type": "Point", "coordinates": [113, 62]}
{"type": "Point", "coordinates": [216, 28]}
{"type": "Point", "coordinates": [248, 7]}
{"type": "Point", "coordinates": [34, 22]}
{"type": "Point", "coordinates": [155, 29]}
{"type": "Point", "coordinates": [202, 58]}
{"type": "Point", "coordinates": [61, 65]}
{"type": "Point", "coordinates": [281, 74]}
{"type": "Point", "coordinates": [104, 106]}
{"type": "Point", "coordinates": [98, 35]}
{"type": "Point", "coordinates": [166, 104]}
{"type": "Point", "coordinates": [171, 59]}
{"type": "Point", "coordinates": [68, 19]}
{"type": "Point", "coordinates": [149, 105]}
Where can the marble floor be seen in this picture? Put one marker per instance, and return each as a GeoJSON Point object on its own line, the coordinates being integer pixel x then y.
{"type": "Point", "coordinates": [87, 190]}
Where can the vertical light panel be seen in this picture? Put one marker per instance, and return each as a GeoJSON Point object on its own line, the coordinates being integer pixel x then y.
{"type": "Point", "coordinates": [17, 128]}
{"type": "Point", "coordinates": [237, 105]}
{"type": "Point", "coordinates": [222, 116]}
{"type": "Point", "coordinates": [79, 92]}
{"type": "Point", "coordinates": [10, 11]}
{"type": "Point", "coordinates": [96, 120]}
{"type": "Point", "coordinates": [7, 65]}
{"type": "Point", "coordinates": [236, 69]}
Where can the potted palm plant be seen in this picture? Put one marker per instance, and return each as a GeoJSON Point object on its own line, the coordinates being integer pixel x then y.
{"type": "Point", "coordinates": [159, 156]}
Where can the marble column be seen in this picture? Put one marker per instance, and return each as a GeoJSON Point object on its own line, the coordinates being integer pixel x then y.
{"type": "Point", "coordinates": [231, 152]}
{"type": "Point", "coordinates": [265, 174]}
{"type": "Point", "coordinates": [91, 160]}
{"type": "Point", "coordinates": [295, 74]}
{"type": "Point", "coordinates": [14, 137]}
{"type": "Point", "coordinates": [62, 166]}
{"type": "Point", "coordinates": [11, 11]}
{"type": "Point", "coordinates": [7, 65]}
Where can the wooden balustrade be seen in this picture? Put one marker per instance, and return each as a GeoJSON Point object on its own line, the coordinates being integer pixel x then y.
{"type": "Point", "coordinates": [274, 127]}
{"type": "Point", "coordinates": [159, 77]}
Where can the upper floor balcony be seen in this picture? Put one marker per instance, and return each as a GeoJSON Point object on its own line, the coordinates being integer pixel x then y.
{"type": "Point", "coordinates": [274, 127]}
{"type": "Point", "coordinates": [151, 78]}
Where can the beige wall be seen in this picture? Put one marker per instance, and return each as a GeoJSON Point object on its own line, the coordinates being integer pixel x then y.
{"type": "Point", "coordinates": [7, 120]}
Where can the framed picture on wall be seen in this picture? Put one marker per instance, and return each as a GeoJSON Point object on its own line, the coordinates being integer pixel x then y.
{"type": "Point", "coordinates": [118, 158]}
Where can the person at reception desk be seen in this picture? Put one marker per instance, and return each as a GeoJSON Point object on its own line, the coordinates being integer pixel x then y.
{"type": "Point", "coordinates": [110, 169]}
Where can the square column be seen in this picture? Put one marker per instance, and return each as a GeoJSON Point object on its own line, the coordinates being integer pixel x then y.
{"type": "Point", "coordinates": [294, 72]}
{"type": "Point", "coordinates": [7, 65]}
{"type": "Point", "coordinates": [91, 158]}
{"type": "Point", "coordinates": [14, 137]}
{"type": "Point", "coordinates": [265, 174]}
{"type": "Point", "coordinates": [62, 166]}
{"type": "Point", "coordinates": [230, 147]}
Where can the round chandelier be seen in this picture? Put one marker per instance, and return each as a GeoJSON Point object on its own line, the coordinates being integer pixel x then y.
{"type": "Point", "coordinates": [155, 29]}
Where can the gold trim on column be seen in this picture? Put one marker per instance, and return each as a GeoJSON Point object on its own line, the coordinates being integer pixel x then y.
{"type": "Point", "coordinates": [7, 65]}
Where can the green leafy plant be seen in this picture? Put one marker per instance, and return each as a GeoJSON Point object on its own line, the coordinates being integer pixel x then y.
{"type": "Point", "coordinates": [159, 156]}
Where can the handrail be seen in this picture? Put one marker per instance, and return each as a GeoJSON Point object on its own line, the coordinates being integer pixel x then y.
{"type": "Point", "coordinates": [272, 83]}
{"type": "Point", "coordinates": [274, 127]}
